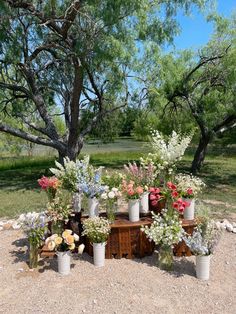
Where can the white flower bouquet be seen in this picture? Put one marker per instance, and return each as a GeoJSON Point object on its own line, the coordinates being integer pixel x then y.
{"type": "Point", "coordinates": [96, 229]}
{"type": "Point", "coordinates": [67, 174]}
{"type": "Point", "coordinates": [110, 198]}
{"type": "Point", "coordinates": [111, 194]}
{"type": "Point", "coordinates": [188, 186]}
{"type": "Point", "coordinates": [204, 238]}
{"type": "Point", "coordinates": [166, 153]}
{"type": "Point", "coordinates": [166, 229]}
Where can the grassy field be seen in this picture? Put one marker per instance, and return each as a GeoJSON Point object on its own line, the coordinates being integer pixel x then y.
{"type": "Point", "coordinates": [19, 191]}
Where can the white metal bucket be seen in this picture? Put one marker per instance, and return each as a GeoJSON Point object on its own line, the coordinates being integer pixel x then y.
{"type": "Point", "coordinates": [144, 203]}
{"type": "Point", "coordinates": [99, 254]}
{"type": "Point", "coordinates": [63, 259]}
{"type": "Point", "coordinates": [134, 210]}
{"type": "Point", "coordinates": [203, 267]}
{"type": "Point", "coordinates": [189, 210]}
{"type": "Point", "coordinates": [93, 206]}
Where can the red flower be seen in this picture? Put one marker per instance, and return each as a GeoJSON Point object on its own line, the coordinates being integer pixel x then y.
{"type": "Point", "coordinates": [154, 202]}
{"type": "Point", "coordinates": [174, 194]}
{"type": "Point", "coordinates": [153, 197]}
{"type": "Point", "coordinates": [175, 205]}
{"type": "Point", "coordinates": [186, 204]}
{"type": "Point", "coordinates": [190, 191]}
{"type": "Point", "coordinates": [171, 185]}
{"type": "Point", "coordinates": [44, 182]}
{"type": "Point", "coordinates": [47, 183]}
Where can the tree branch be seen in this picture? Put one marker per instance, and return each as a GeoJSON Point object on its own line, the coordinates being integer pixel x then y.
{"type": "Point", "coordinates": [204, 61]}
{"type": "Point", "coordinates": [228, 123]}
{"type": "Point", "coordinates": [70, 16]}
{"type": "Point", "coordinates": [30, 137]}
{"type": "Point", "coordinates": [98, 117]}
{"type": "Point", "coordinates": [14, 87]}
{"type": "Point", "coordinates": [31, 8]}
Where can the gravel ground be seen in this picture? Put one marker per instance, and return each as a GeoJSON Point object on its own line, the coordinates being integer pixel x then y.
{"type": "Point", "coordinates": [122, 286]}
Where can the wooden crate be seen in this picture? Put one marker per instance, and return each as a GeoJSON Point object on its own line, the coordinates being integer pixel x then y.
{"type": "Point", "coordinates": [126, 239]}
{"type": "Point", "coordinates": [181, 249]}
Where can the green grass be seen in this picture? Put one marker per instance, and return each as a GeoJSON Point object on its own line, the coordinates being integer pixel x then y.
{"type": "Point", "coordinates": [26, 163]}
{"type": "Point", "coordinates": [19, 190]}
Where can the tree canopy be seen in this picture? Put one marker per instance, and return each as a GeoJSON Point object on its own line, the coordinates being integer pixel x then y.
{"type": "Point", "coordinates": [64, 57]}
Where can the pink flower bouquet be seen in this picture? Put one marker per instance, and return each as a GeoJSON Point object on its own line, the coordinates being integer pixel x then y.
{"type": "Point", "coordinates": [131, 190]}
{"type": "Point", "coordinates": [50, 185]}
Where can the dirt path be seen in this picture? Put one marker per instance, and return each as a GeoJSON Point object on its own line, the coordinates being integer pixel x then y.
{"type": "Point", "coordinates": [122, 286]}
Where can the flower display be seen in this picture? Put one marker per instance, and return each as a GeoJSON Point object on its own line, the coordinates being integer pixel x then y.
{"type": "Point", "coordinates": [112, 194]}
{"type": "Point", "coordinates": [59, 209]}
{"type": "Point", "coordinates": [64, 242]}
{"type": "Point", "coordinates": [34, 225]}
{"type": "Point", "coordinates": [96, 229]}
{"type": "Point", "coordinates": [142, 175]}
{"type": "Point", "coordinates": [67, 174]}
{"type": "Point", "coordinates": [131, 190]}
{"type": "Point", "coordinates": [170, 194]}
{"type": "Point", "coordinates": [89, 179]}
{"type": "Point", "coordinates": [166, 229]}
{"type": "Point", "coordinates": [166, 153]}
{"type": "Point", "coordinates": [110, 198]}
{"type": "Point", "coordinates": [50, 185]}
{"type": "Point", "coordinates": [204, 238]}
{"type": "Point", "coordinates": [189, 186]}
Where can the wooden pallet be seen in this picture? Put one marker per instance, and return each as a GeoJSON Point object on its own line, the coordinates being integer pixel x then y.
{"type": "Point", "coordinates": [181, 249]}
{"type": "Point", "coordinates": [126, 239]}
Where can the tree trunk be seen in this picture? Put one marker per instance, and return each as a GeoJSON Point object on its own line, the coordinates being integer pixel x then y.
{"type": "Point", "coordinates": [61, 156]}
{"type": "Point", "coordinates": [200, 153]}
{"type": "Point", "coordinates": [72, 151]}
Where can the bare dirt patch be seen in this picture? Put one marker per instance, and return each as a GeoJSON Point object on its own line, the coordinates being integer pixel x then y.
{"type": "Point", "coordinates": [122, 286]}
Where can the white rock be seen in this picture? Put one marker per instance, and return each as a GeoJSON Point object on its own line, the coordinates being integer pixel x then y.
{"type": "Point", "coordinates": [229, 227]}
{"type": "Point", "coordinates": [218, 225]}
{"type": "Point", "coordinates": [234, 224]}
{"type": "Point", "coordinates": [16, 226]}
{"type": "Point", "coordinates": [1, 223]}
{"type": "Point", "coordinates": [225, 221]}
{"type": "Point", "coordinates": [234, 230]}
{"type": "Point", "coordinates": [222, 226]}
{"type": "Point", "coordinates": [1, 228]}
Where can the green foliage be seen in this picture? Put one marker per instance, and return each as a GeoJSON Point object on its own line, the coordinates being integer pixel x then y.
{"type": "Point", "coordinates": [39, 56]}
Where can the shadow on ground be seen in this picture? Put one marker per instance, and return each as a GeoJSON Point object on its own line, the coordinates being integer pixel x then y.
{"type": "Point", "coordinates": [182, 266]}
{"type": "Point", "coordinates": [20, 253]}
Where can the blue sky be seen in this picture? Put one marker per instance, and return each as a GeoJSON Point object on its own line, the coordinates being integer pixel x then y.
{"type": "Point", "coordinates": [195, 30]}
